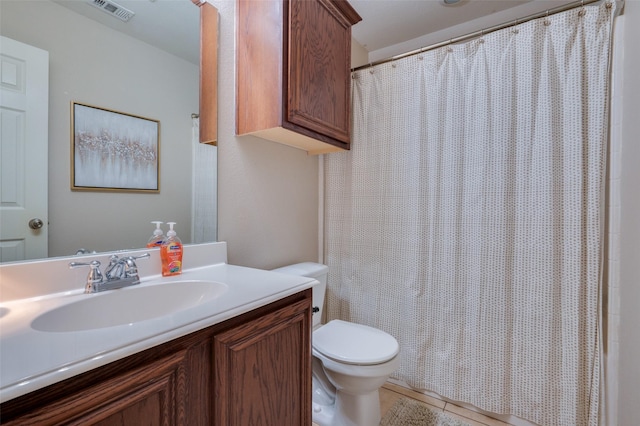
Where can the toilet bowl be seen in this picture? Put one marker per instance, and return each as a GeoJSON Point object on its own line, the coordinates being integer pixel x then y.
{"type": "Point", "coordinates": [350, 361]}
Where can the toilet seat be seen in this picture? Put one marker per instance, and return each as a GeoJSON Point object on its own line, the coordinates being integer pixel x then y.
{"type": "Point", "coordinates": [351, 343]}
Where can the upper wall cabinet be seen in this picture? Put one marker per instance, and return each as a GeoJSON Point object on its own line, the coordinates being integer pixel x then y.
{"type": "Point", "coordinates": [208, 72]}
{"type": "Point", "coordinates": [293, 72]}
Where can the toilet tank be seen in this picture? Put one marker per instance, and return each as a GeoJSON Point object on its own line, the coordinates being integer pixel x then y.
{"type": "Point", "coordinates": [317, 271]}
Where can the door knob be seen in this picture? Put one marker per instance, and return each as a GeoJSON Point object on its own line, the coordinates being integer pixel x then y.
{"type": "Point", "coordinates": [35, 223]}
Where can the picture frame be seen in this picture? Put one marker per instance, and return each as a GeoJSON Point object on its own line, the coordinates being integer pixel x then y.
{"type": "Point", "coordinates": [113, 150]}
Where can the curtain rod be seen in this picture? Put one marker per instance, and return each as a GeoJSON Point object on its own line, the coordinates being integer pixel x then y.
{"type": "Point", "coordinates": [483, 32]}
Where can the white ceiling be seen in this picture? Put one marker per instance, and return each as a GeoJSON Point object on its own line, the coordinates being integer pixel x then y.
{"type": "Point", "coordinates": [393, 27]}
{"type": "Point", "coordinates": [172, 25]}
{"type": "Point", "coordinates": [388, 27]}
{"type": "Point", "coordinates": [386, 23]}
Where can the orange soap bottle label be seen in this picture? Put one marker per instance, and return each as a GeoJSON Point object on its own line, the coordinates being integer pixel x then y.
{"type": "Point", "coordinates": [171, 256]}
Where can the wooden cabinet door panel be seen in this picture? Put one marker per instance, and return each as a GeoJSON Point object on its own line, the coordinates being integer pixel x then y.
{"type": "Point", "coordinates": [258, 369]}
{"type": "Point", "coordinates": [149, 406]}
{"type": "Point", "coordinates": [319, 68]}
{"type": "Point", "coordinates": [145, 396]}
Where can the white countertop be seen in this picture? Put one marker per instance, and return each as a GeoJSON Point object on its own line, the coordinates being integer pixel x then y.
{"type": "Point", "coordinates": [31, 359]}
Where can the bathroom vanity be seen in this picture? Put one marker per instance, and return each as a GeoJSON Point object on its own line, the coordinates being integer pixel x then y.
{"type": "Point", "coordinates": [240, 356]}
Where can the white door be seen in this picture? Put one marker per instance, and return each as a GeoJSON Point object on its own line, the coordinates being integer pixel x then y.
{"type": "Point", "coordinates": [24, 122]}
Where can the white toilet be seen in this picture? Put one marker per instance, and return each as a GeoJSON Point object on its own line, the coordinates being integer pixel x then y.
{"type": "Point", "coordinates": [350, 361]}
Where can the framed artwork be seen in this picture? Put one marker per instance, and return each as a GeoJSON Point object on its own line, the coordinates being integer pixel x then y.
{"type": "Point", "coordinates": [113, 151]}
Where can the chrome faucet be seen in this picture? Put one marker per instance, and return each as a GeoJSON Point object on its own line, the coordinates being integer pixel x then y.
{"type": "Point", "coordinates": [121, 272]}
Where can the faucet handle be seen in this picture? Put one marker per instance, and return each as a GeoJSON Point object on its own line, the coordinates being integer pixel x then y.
{"type": "Point", "coordinates": [114, 269]}
{"type": "Point", "coordinates": [94, 277]}
{"type": "Point", "coordinates": [131, 269]}
{"type": "Point", "coordinates": [142, 256]}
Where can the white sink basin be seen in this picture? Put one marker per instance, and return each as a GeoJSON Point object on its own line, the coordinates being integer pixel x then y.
{"type": "Point", "coordinates": [128, 305]}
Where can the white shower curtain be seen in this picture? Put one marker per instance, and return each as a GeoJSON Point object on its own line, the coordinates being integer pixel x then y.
{"type": "Point", "coordinates": [467, 219]}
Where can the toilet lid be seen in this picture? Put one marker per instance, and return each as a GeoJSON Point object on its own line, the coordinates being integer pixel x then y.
{"type": "Point", "coordinates": [354, 343]}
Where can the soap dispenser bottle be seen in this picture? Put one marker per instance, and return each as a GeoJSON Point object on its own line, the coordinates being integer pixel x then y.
{"type": "Point", "coordinates": [157, 237]}
{"type": "Point", "coordinates": [171, 253]}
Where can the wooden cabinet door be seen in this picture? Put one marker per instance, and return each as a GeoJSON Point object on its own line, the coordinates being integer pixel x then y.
{"type": "Point", "coordinates": [319, 61]}
{"type": "Point", "coordinates": [149, 395]}
{"type": "Point", "coordinates": [263, 370]}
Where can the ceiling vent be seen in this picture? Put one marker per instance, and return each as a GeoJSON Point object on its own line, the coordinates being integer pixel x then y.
{"type": "Point", "coordinates": [112, 8]}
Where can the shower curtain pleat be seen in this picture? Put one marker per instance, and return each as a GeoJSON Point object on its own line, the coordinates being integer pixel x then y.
{"type": "Point", "coordinates": [466, 220]}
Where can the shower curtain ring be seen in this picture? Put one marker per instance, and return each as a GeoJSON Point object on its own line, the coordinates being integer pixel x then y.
{"type": "Point", "coordinates": [449, 48]}
{"type": "Point", "coordinates": [582, 11]}
{"type": "Point", "coordinates": [547, 22]}
{"type": "Point", "coordinates": [515, 29]}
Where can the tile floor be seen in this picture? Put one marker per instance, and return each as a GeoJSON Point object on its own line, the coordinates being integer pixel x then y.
{"type": "Point", "coordinates": [390, 393]}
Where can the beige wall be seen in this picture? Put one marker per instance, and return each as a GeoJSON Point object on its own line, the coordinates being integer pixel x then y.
{"type": "Point", "coordinates": [359, 55]}
{"type": "Point", "coordinates": [267, 192]}
{"type": "Point", "coordinates": [92, 64]}
{"type": "Point", "coordinates": [629, 338]}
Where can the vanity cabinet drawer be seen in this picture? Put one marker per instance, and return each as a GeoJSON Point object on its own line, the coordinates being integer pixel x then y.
{"type": "Point", "coordinates": [256, 364]}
